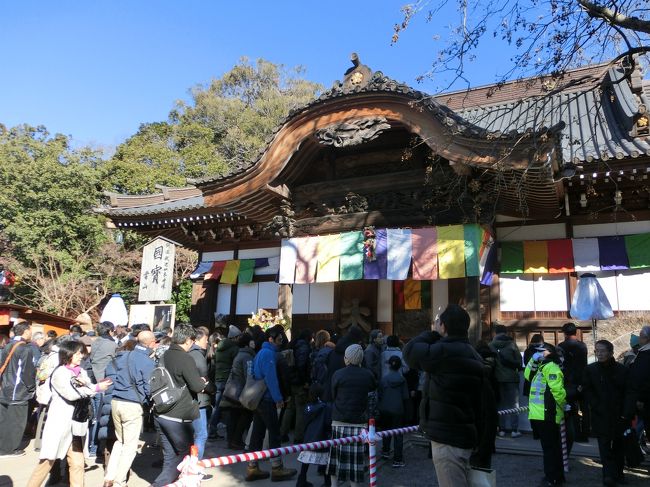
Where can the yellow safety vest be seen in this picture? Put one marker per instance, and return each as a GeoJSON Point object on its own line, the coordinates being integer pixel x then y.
{"type": "Point", "coordinates": [549, 375]}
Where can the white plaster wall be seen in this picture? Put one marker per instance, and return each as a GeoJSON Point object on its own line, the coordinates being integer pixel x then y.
{"type": "Point", "coordinates": [531, 232]}
{"type": "Point", "coordinates": [439, 296]}
{"type": "Point", "coordinates": [609, 229]}
{"type": "Point", "coordinates": [300, 299]}
{"type": "Point", "coordinates": [215, 256]}
{"type": "Point", "coordinates": [384, 301]}
{"type": "Point", "coordinates": [223, 299]}
{"type": "Point", "coordinates": [321, 297]}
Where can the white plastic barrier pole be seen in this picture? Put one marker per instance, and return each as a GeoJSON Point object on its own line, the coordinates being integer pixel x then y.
{"type": "Point", "coordinates": [372, 451]}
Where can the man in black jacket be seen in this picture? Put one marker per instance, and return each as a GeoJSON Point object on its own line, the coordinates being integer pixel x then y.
{"type": "Point", "coordinates": [198, 352]}
{"type": "Point", "coordinates": [640, 376]}
{"type": "Point", "coordinates": [17, 387]}
{"type": "Point", "coordinates": [176, 429]}
{"type": "Point", "coordinates": [575, 360]}
{"type": "Point", "coordinates": [452, 405]}
{"type": "Point", "coordinates": [608, 390]}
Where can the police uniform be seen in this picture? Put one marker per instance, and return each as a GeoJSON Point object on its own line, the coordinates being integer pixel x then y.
{"type": "Point", "coordinates": [546, 410]}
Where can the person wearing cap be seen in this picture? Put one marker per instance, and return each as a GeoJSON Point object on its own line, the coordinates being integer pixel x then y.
{"type": "Point", "coordinates": [222, 361]}
{"type": "Point", "coordinates": [546, 405]}
{"type": "Point", "coordinates": [349, 392]}
{"type": "Point", "coordinates": [574, 353]}
{"type": "Point", "coordinates": [452, 408]}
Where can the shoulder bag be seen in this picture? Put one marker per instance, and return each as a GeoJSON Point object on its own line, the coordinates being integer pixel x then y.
{"type": "Point", "coordinates": [253, 391]}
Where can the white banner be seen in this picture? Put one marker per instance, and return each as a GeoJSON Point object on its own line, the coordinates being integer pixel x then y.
{"type": "Point", "coordinates": [157, 273]}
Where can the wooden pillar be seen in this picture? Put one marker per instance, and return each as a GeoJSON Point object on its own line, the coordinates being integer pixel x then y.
{"type": "Point", "coordinates": [285, 302]}
{"type": "Point", "coordinates": [473, 307]}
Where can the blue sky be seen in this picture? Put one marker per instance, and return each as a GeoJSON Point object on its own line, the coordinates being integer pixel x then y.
{"type": "Point", "coordinates": [95, 70]}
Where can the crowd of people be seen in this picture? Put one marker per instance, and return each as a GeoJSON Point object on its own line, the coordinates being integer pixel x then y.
{"type": "Point", "coordinates": [85, 395]}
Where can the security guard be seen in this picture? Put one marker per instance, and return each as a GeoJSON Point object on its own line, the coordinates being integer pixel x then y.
{"type": "Point", "coordinates": [546, 405]}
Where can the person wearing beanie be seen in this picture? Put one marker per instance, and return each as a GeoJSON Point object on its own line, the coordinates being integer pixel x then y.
{"type": "Point", "coordinates": [335, 360]}
{"type": "Point", "coordinates": [349, 391]}
{"type": "Point", "coordinates": [222, 361]}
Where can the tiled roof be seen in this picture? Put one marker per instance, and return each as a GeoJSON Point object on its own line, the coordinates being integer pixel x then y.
{"type": "Point", "coordinates": [158, 208]}
{"type": "Point", "coordinates": [598, 121]}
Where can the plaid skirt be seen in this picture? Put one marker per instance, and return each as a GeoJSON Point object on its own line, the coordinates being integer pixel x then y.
{"type": "Point", "coordinates": [347, 462]}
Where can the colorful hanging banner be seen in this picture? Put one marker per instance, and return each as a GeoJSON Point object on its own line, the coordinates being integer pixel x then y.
{"type": "Point", "coordinates": [306, 263]}
{"type": "Point", "coordinates": [425, 253]}
{"type": "Point", "coordinates": [638, 250]}
{"type": "Point", "coordinates": [491, 264]}
{"type": "Point", "coordinates": [398, 294]}
{"type": "Point", "coordinates": [512, 257]}
{"type": "Point", "coordinates": [560, 256]}
{"type": "Point", "coordinates": [400, 250]}
{"type": "Point", "coordinates": [612, 253]}
{"type": "Point", "coordinates": [586, 256]}
{"type": "Point", "coordinates": [376, 269]}
{"type": "Point", "coordinates": [216, 269]}
{"type": "Point", "coordinates": [451, 252]}
{"type": "Point", "coordinates": [246, 271]}
{"type": "Point", "coordinates": [535, 257]}
{"type": "Point", "coordinates": [351, 265]}
{"type": "Point", "coordinates": [328, 258]}
{"type": "Point", "coordinates": [200, 270]}
{"type": "Point", "coordinates": [473, 235]}
{"type": "Point", "coordinates": [230, 272]}
{"type": "Point", "coordinates": [288, 258]}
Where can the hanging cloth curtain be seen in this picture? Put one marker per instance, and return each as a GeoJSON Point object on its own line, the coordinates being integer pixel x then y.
{"type": "Point", "coordinates": [399, 253]}
{"type": "Point", "coordinates": [560, 256]}
{"type": "Point", "coordinates": [473, 235]}
{"type": "Point", "coordinates": [328, 258]}
{"type": "Point", "coordinates": [351, 245]}
{"type": "Point", "coordinates": [376, 269]}
{"type": "Point", "coordinates": [638, 250]}
{"type": "Point", "coordinates": [306, 263]}
{"type": "Point", "coordinates": [535, 257]}
{"type": "Point", "coordinates": [425, 253]}
{"type": "Point", "coordinates": [230, 272]}
{"type": "Point", "coordinates": [288, 258]}
{"type": "Point", "coordinates": [451, 252]}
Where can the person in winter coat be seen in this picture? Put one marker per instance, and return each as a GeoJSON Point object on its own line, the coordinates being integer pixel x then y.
{"type": "Point", "coordinates": [372, 355]}
{"type": "Point", "coordinates": [198, 352]}
{"type": "Point", "coordinates": [536, 341]}
{"type": "Point", "coordinates": [393, 397]}
{"type": "Point", "coordinates": [452, 404]}
{"type": "Point", "coordinates": [69, 383]}
{"type": "Point", "coordinates": [318, 425]}
{"type": "Point", "coordinates": [508, 367]}
{"type": "Point", "coordinates": [266, 415]}
{"type": "Point", "coordinates": [349, 391]}
{"type": "Point", "coordinates": [640, 376]}
{"type": "Point", "coordinates": [574, 353]}
{"type": "Point", "coordinates": [392, 350]}
{"type": "Point", "coordinates": [221, 364]}
{"type": "Point", "coordinates": [176, 432]}
{"type": "Point", "coordinates": [319, 357]}
{"type": "Point", "coordinates": [240, 417]}
{"type": "Point", "coordinates": [336, 360]}
{"type": "Point", "coordinates": [482, 456]}
{"type": "Point", "coordinates": [300, 379]}
{"type": "Point", "coordinates": [546, 406]}
{"type": "Point", "coordinates": [607, 388]}
{"type": "Point", "coordinates": [130, 372]}
{"type": "Point", "coordinates": [17, 388]}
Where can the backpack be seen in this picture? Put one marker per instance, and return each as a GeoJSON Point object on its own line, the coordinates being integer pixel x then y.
{"type": "Point", "coordinates": [507, 362]}
{"type": "Point", "coordinates": [319, 365]}
{"type": "Point", "coordinates": [165, 394]}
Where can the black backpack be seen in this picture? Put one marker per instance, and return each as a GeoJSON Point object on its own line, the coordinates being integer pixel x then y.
{"type": "Point", "coordinates": [165, 394]}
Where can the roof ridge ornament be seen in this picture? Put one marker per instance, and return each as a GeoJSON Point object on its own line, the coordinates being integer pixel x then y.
{"type": "Point", "coordinates": [356, 77]}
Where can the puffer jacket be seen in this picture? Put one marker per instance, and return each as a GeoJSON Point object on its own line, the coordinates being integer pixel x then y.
{"type": "Point", "coordinates": [223, 358]}
{"type": "Point", "coordinates": [451, 410]}
{"type": "Point", "coordinates": [350, 388]}
{"type": "Point", "coordinates": [238, 374]}
{"type": "Point", "coordinates": [508, 363]}
{"type": "Point", "coordinates": [18, 381]}
{"type": "Point", "coordinates": [393, 393]}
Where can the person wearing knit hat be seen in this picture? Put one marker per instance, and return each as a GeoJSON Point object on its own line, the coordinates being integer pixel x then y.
{"type": "Point", "coordinates": [353, 355]}
{"type": "Point", "coordinates": [350, 388]}
{"type": "Point", "coordinates": [233, 332]}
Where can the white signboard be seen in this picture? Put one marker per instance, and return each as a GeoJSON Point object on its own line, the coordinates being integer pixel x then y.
{"type": "Point", "coordinates": [157, 273]}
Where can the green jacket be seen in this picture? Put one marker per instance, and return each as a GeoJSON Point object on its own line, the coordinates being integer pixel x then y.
{"type": "Point", "coordinates": [547, 394]}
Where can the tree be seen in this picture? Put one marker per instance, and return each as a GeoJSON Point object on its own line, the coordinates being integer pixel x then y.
{"type": "Point", "coordinates": [226, 123]}
{"type": "Point", "coordinates": [59, 249]}
{"type": "Point", "coordinates": [548, 36]}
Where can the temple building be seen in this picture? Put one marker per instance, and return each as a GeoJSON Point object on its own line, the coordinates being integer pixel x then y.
{"type": "Point", "coordinates": [378, 204]}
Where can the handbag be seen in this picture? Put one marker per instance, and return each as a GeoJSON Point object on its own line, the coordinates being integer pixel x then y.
{"type": "Point", "coordinates": [252, 393]}
{"type": "Point", "coordinates": [482, 477]}
{"type": "Point", "coordinates": [232, 390]}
